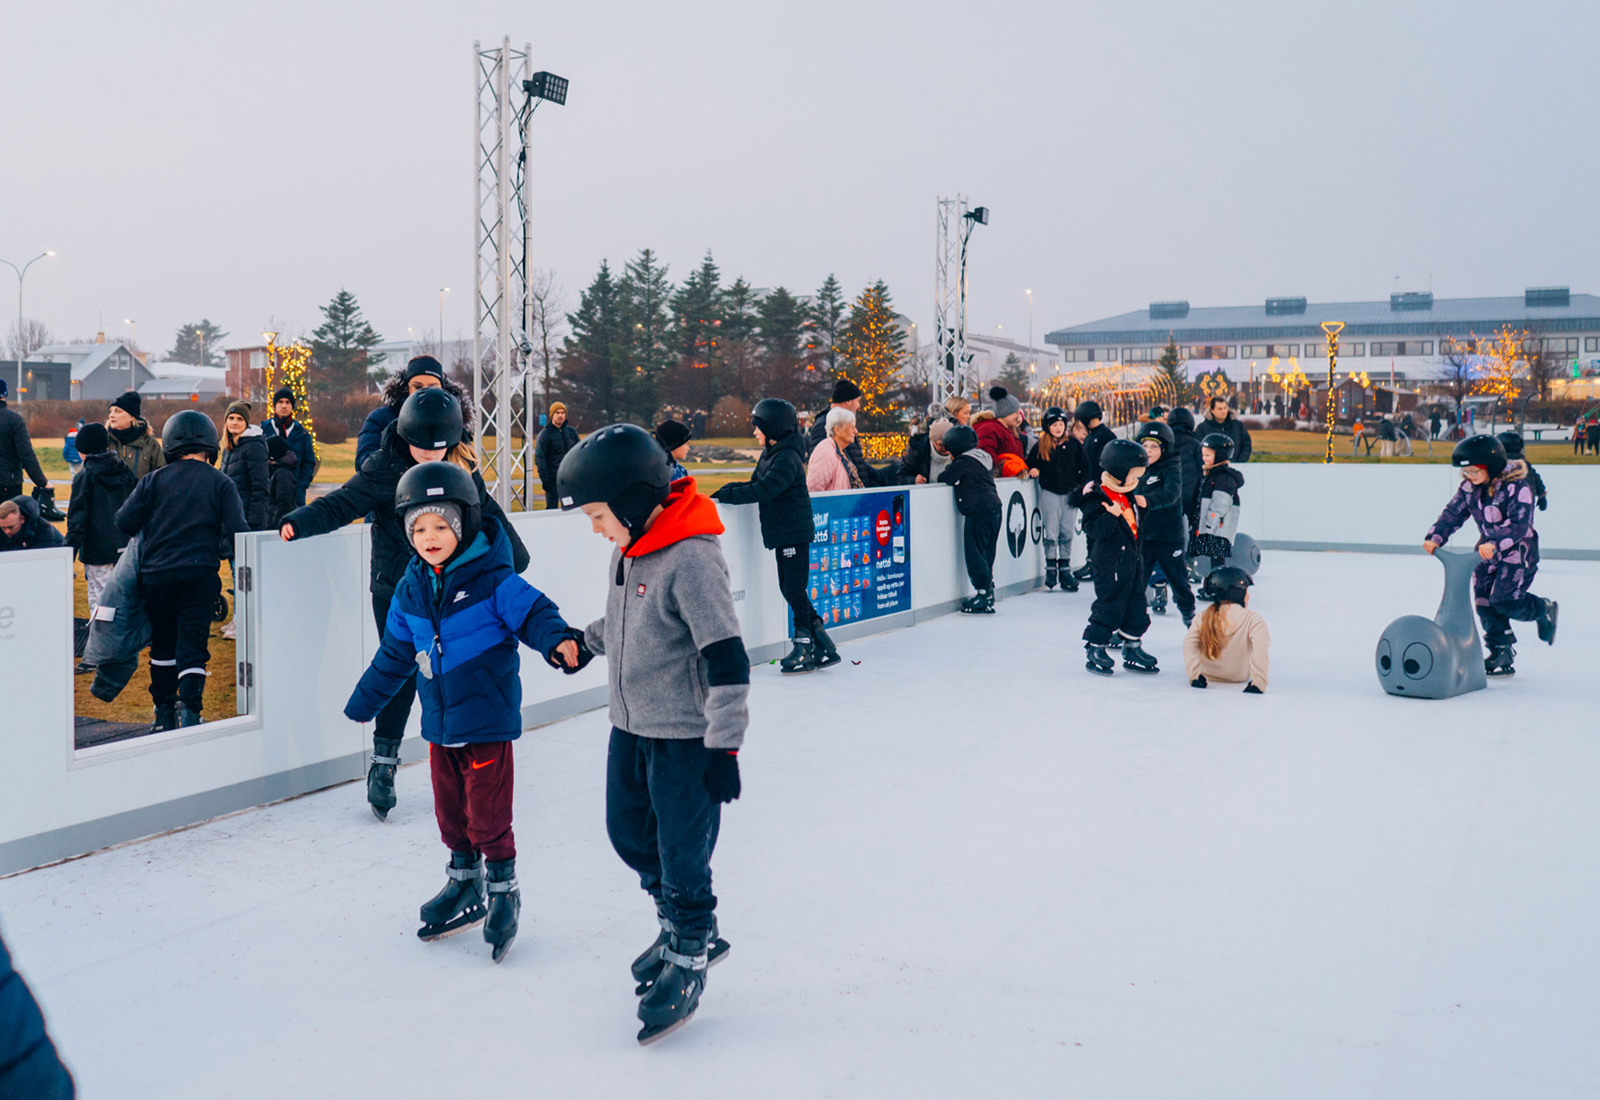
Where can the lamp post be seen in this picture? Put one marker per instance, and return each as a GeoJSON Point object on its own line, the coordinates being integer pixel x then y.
{"type": "Point", "coordinates": [22, 272]}
{"type": "Point", "coordinates": [442, 292]}
{"type": "Point", "coordinates": [1030, 332]}
{"type": "Point", "coordinates": [133, 346]}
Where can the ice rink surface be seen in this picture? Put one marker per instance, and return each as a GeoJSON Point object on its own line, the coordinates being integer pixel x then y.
{"type": "Point", "coordinates": [961, 867]}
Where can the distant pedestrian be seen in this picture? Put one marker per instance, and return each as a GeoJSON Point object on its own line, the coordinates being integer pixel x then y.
{"type": "Point", "coordinates": [1592, 434]}
{"type": "Point", "coordinates": [16, 451]}
{"type": "Point", "coordinates": [674, 439]}
{"type": "Point", "coordinates": [1220, 418]}
{"type": "Point", "coordinates": [98, 491]}
{"type": "Point", "coordinates": [1434, 424]}
{"type": "Point", "coordinates": [69, 448]}
{"type": "Point", "coordinates": [131, 440]}
{"type": "Point", "coordinates": [282, 423]}
{"type": "Point", "coordinates": [555, 440]}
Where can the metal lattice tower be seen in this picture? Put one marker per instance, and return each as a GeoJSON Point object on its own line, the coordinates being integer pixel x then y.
{"type": "Point", "coordinates": [499, 238]}
{"type": "Point", "coordinates": [950, 296]}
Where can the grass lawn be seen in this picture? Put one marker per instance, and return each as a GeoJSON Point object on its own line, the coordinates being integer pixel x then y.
{"type": "Point", "coordinates": [1308, 447]}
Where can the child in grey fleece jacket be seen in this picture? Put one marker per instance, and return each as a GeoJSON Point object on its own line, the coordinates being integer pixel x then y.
{"type": "Point", "coordinates": [679, 679]}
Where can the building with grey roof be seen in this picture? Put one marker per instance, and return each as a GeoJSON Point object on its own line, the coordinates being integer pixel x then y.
{"type": "Point", "coordinates": [100, 371]}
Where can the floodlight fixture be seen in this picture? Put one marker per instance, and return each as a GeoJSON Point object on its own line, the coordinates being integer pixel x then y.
{"type": "Point", "coordinates": [979, 215]}
{"type": "Point", "coordinates": [549, 86]}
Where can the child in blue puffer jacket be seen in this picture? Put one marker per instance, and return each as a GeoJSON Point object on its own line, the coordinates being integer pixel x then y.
{"type": "Point", "coordinates": [456, 618]}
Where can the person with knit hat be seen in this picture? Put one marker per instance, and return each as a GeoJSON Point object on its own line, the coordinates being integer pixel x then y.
{"type": "Point", "coordinates": [970, 475]}
{"type": "Point", "coordinates": [556, 438]}
{"type": "Point", "coordinates": [283, 425]}
{"type": "Point", "coordinates": [847, 396]}
{"type": "Point", "coordinates": [997, 433]}
{"type": "Point", "coordinates": [131, 440]}
{"type": "Point", "coordinates": [674, 439]}
{"type": "Point", "coordinates": [98, 490]}
{"type": "Point", "coordinates": [422, 372]}
{"type": "Point", "coordinates": [243, 457]}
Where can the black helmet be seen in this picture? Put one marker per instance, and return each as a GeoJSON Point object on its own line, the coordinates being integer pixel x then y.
{"type": "Point", "coordinates": [187, 431]}
{"type": "Point", "coordinates": [1120, 456]}
{"type": "Point", "coordinates": [959, 440]}
{"type": "Point", "coordinates": [430, 419]}
{"type": "Point", "coordinates": [1221, 445]}
{"type": "Point", "coordinates": [1181, 417]}
{"type": "Point", "coordinates": [1480, 450]}
{"type": "Point", "coordinates": [1155, 429]}
{"type": "Point", "coordinates": [622, 466]}
{"type": "Point", "coordinates": [1157, 412]}
{"type": "Point", "coordinates": [1226, 584]}
{"type": "Point", "coordinates": [1051, 415]}
{"type": "Point", "coordinates": [1512, 442]}
{"type": "Point", "coordinates": [441, 483]}
{"type": "Point", "coordinates": [1087, 411]}
{"type": "Point", "coordinates": [775, 417]}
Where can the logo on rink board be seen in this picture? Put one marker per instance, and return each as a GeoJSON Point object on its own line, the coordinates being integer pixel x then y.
{"type": "Point", "coordinates": [1016, 525]}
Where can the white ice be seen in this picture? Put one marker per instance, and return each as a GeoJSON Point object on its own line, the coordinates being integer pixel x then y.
{"type": "Point", "coordinates": [961, 867]}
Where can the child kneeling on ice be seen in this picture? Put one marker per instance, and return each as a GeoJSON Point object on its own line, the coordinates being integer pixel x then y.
{"type": "Point", "coordinates": [1229, 644]}
{"type": "Point", "coordinates": [457, 615]}
{"type": "Point", "coordinates": [1495, 493]}
{"type": "Point", "coordinates": [679, 680]}
{"type": "Point", "coordinates": [1111, 523]}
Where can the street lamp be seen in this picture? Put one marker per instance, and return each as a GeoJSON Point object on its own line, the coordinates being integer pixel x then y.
{"type": "Point", "coordinates": [22, 341]}
{"type": "Point", "coordinates": [200, 337]}
{"type": "Point", "coordinates": [1030, 331]}
{"type": "Point", "coordinates": [442, 292]}
{"type": "Point", "coordinates": [133, 343]}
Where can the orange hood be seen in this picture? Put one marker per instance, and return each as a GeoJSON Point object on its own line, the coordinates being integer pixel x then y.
{"type": "Point", "coordinates": [685, 513]}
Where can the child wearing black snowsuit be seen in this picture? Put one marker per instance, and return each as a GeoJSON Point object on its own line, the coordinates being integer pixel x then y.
{"type": "Point", "coordinates": [1159, 496]}
{"type": "Point", "coordinates": [1111, 520]}
{"type": "Point", "coordinates": [1217, 502]}
{"type": "Point", "coordinates": [99, 488]}
{"type": "Point", "coordinates": [282, 487]}
{"type": "Point", "coordinates": [971, 474]}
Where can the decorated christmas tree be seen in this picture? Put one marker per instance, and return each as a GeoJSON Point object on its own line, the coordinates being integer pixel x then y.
{"type": "Point", "coordinates": [872, 350]}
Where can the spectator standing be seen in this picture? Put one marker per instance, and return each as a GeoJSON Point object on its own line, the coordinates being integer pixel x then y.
{"type": "Point", "coordinates": [555, 439]}
{"type": "Point", "coordinates": [959, 410]}
{"type": "Point", "coordinates": [1386, 436]}
{"type": "Point", "coordinates": [281, 482]}
{"type": "Point", "coordinates": [1592, 434]}
{"type": "Point", "coordinates": [674, 439]}
{"type": "Point", "coordinates": [997, 434]}
{"type": "Point", "coordinates": [847, 396]}
{"type": "Point", "coordinates": [1187, 447]}
{"type": "Point", "coordinates": [831, 468]}
{"type": "Point", "coordinates": [98, 491]}
{"type": "Point", "coordinates": [69, 449]}
{"type": "Point", "coordinates": [979, 504]}
{"type": "Point", "coordinates": [1221, 419]}
{"type": "Point", "coordinates": [244, 459]}
{"type": "Point", "coordinates": [938, 456]}
{"type": "Point", "coordinates": [131, 440]}
{"type": "Point", "coordinates": [282, 423]}
{"type": "Point", "coordinates": [16, 451]}
{"type": "Point", "coordinates": [23, 528]}
{"type": "Point", "coordinates": [1434, 424]}
{"type": "Point", "coordinates": [422, 372]}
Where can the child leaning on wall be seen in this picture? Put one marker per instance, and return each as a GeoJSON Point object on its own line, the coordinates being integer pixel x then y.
{"type": "Point", "coordinates": [971, 474]}
{"type": "Point", "coordinates": [1229, 643]}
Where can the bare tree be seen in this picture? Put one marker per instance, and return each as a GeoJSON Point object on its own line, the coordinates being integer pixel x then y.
{"type": "Point", "coordinates": [1459, 368]}
{"type": "Point", "coordinates": [549, 327]}
{"type": "Point", "coordinates": [27, 336]}
{"type": "Point", "coordinates": [1542, 365]}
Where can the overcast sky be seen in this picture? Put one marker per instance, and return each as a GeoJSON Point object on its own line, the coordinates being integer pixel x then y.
{"type": "Point", "coordinates": [243, 162]}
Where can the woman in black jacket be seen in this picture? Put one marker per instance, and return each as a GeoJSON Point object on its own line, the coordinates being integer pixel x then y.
{"type": "Point", "coordinates": [779, 490]}
{"type": "Point", "coordinates": [428, 429]}
{"type": "Point", "coordinates": [1063, 470]}
{"type": "Point", "coordinates": [1186, 445]}
{"type": "Point", "coordinates": [244, 459]}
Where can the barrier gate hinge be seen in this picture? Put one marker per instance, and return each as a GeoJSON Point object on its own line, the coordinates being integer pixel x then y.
{"type": "Point", "coordinates": [244, 578]}
{"type": "Point", "coordinates": [247, 673]}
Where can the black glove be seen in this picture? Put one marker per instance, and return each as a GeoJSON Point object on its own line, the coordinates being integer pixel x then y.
{"type": "Point", "coordinates": [1198, 682]}
{"type": "Point", "coordinates": [585, 654]}
{"type": "Point", "coordinates": [1251, 689]}
{"type": "Point", "coordinates": [722, 774]}
{"type": "Point", "coordinates": [1542, 502]}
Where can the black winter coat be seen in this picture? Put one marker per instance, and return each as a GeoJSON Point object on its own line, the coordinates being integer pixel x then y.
{"type": "Point", "coordinates": [246, 464]}
{"type": "Point", "coordinates": [1234, 429]}
{"type": "Point", "coordinates": [281, 490]}
{"type": "Point", "coordinates": [186, 513]}
{"type": "Point", "coordinates": [16, 450]}
{"type": "Point", "coordinates": [1098, 437]}
{"type": "Point", "coordinates": [1113, 547]}
{"type": "Point", "coordinates": [548, 451]}
{"type": "Point", "coordinates": [35, 532]}
{"type": "Point", "coordinates": [1190, 462]}
{"type": "Point", "coordinates": [779, 489]}
{"type": "Point", "coordinates": [1066, 470]}
{"type": "Point", "coordinates": [974, 484]}
{"type": "Point", "coordinates": [371, 491]}
{"type": "Point", "coordinates": [1161, 518]}
{"type": "Point", "coordinates": [917, 461]}
{"type": "Point", "coordinates": [29, 1064]}
{"type": "Point", "coordinates": [98, 490]}
{"type": "Point", "coordinates": [871, 476]}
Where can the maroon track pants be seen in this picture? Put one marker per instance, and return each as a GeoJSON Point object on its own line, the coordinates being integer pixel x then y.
{"type": "Point", "coordinates": [472, 797]}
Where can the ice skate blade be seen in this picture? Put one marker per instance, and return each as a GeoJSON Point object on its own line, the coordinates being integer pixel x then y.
{"type": "Point", "coordinates": [824, 662]}
{"type": "Point", "coordinates": [1145, 671]}
{"type": "Point", "coordinates": [1547, 625]}
{"type": "Point", "coordinates": [500, 949]}
{"type": "Point", "coordinates": [444, 932]}
{"type": "Point", "coordinates": [381, 815]}
{"type": "Point", "coordinates": [1501, 672]}
{"type": "Point", "coordinates": [797, 671]}
{"type": "Point", "coordinates": [1098, 671]}
{"type": "Point", "coordinates": [651, 1033]}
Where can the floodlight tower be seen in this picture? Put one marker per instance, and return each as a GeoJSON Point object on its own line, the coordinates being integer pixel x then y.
{"type": "Point", "coordinates": [502, 242]}
{"type": "Point", "coordinates": [954, 227]}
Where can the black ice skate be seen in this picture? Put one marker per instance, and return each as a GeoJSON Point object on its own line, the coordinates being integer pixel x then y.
{"type": "Point", "coordinates": [505, 906]}
{"type": "Point", "coordinates": [1069, 583]}
{"type": "Point", "coordinates": [648, 966]}
{"type": "Point", "coordinates": [980, 603]}
{"type": "Point", "coordinates": [1547, 622]}
{"type": "Point", "coordinates": [459, 905]}
{"type": "Point", "coordinates": [166, 718]}
{"type": "Point", "coordinates": [803, 658]}
{"type": "Point", "coordinates": [826, 652]}
{"type": "Point", "coordinates": [1498, 663]}
{"type": "Point", "coordinates": [1158, 605]}
{"type": "Point", "coordinates": [1188, 617]}
{"type": "Point", "coordinates": [1052, 569]}
{"type": "Point", "coordinates": [1084, 572]}
{"type": "Point", "coordinates": [188, 716]}
{"type": "Point", "coordinates": [1098, 660]}
{"type": "Point", "coordinates": [1135, 659]}
{"type": "Point", "coordinates": [380, 777]}
{"type": "Point", "coordinates": [672, 998]}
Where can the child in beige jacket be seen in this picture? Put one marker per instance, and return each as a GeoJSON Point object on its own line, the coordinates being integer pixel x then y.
{"type": "Point", "coordinates": [1228, 642]}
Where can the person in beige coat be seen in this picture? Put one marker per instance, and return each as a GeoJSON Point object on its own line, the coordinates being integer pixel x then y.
{"type": "Point", "coordinates": [1228, 642]}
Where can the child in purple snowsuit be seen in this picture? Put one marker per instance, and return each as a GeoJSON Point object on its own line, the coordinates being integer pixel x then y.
{"type": "Point", "coordinates": [1495, 493]}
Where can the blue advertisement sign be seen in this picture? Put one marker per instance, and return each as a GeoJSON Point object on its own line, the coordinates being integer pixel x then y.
{"type": "Point", "coordinates": [861, 556]}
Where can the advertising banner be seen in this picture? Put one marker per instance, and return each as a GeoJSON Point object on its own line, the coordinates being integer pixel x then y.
{"type": "Point", "coordinates": [861, 556]}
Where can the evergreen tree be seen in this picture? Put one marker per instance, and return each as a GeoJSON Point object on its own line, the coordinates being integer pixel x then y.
{"type": "Point", "coordinates": [339, 349]}
{"type": "Point", "coordinates": [1014, 376]}
{"type": "Point", "coordinates": [780, 327]}
{"type": "Point", "coordinates": [871, 351]}
{"type": "Point", "coordinates": [198, 343]}
{"type": "Point", "coordinates": [739, 363]}
{"type": "Point", "coordinates": [826, 326]}
{"type": "Point", "coordinates": [697, 324]}
{"type": "Point", "coordinates": [591, 357]}
{"type": "Point", "coordinates": [1172, 365]}
{"type": "Point", "coordinates": [644, 293]}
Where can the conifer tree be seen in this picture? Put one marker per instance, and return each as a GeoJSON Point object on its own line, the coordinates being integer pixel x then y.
{"type": "Point", "coordinates": [871, 351]}
{"type": "Point", "coordinates": [339, 349]}
{"type": "Point", "coordinates": [198, 343]}
{"type": "Point", "coordinates": [592, 356]}
{"type": "Point", "coordinates": [1014, 376]}
{"type": "Point", "coordinates": [1172, 365]}
{"type": "Point", "coordinates": [825, 324]}
{"type": "Point", "coordinates": [644, 293]}
{"type": "Point", "coordinates": [697, 331]}
{"type": "Point", "coordinates": [780, 327]}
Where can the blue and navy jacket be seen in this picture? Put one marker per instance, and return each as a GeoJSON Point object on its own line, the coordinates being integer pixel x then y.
{"type": "Point", "coordinates": [458, 630]}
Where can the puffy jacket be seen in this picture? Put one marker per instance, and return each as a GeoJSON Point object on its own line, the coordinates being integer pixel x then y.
{"type": "Point", "coordinates": [871, 476]}
{"type": "Point", "coordinates": [996, 438]}
{"type": "Point", "coordinates": [35, 533]}
{"type": "Point", "coordinates": [826, 472]}
{"type": "Point", "coordinates": [1098, 437]}
{"type": "Point", "coordinates": [1503, 511]}
{"type": "Point", "coordinates": [139, 450]}
{"type": "Point", "coordinates": [917, 460]}
{"type": "Point", "coordinates": [550, 448]}
{"type": "Point", "coordinates": [281, 490]}
{"type": "Point", "coordinates": [779, 491]}
{"type": "Point", "coordinates": [371, 437]}
{"type": "Point", "coordinates": [459, 629]}
{"type": "Point", "coordinates": [371, 492]}
{"type": "Point", "coordinates": [1234, 429]}
{"type": "Point", "coordinates": [1161, 518]}
{"type": "Point", "coordinates": [98, 490]}
{"type": "Point", "coordinates": [304, 448]}
{"type": "Point", "coordinates": [1186, 446]}
{"type": "Point", "coordinates": [1217, 511]}
{"type": "Point", "coordinates": [119, 629]}
{"type": "Point", "coordinates": [246, 464]}
{"type": "Point", "coordinates": [1065, 471]}
{"type": "Point", "coordinates": [1113, 545]}
{"type": "Point", "coordinates": [971, 477]}
{"type": "Point", "coordinates": [16, 450]}
{"type": "Point", "coordinates": [29, 1064]}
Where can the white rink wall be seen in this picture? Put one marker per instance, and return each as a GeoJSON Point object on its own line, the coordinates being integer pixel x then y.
{"type": "Point", "coordinates": [308, 633]}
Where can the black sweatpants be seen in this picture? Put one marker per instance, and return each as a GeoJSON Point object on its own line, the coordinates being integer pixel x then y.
{"type": "Point", "coordinates": [180, 629]}
{"type": "Point", "coordinates": [1169, 555]}
{"type": "Point", "coordinates": [979, 542]}
{"type": "Point", "coordinates": [1119, 604]}
{"type": "Point", "coordinates": [391, 722]}
{"type": "Point", "coordinates": [663, 822]}
{"type": "Point", "coordinates": [794, 575]}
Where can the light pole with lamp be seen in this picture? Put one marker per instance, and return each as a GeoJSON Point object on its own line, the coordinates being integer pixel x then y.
{"type": "Point", "coordinates": [442, 292]}
{"type": "Point", "coordinates": [22, 272]}
{"type": "Point", "coordinates": [1030, 332]}
{"type": "Point", "coordinates": [133, 345]}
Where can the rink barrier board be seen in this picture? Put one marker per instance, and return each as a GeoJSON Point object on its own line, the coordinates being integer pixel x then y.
{"type": "Point", "coordinates": [309, 633]}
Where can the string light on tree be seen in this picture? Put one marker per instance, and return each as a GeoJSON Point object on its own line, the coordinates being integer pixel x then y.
{"type": "Point", "coordinates": [1332, 328]}
{"type": "Point", "coordinates": [1123, 393]}
{"type": "Point", "coordinates": [291, 362]}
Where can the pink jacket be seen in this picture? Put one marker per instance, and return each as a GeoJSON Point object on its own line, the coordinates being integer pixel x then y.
{"type": "Point", "coordinates": [826, 469]}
